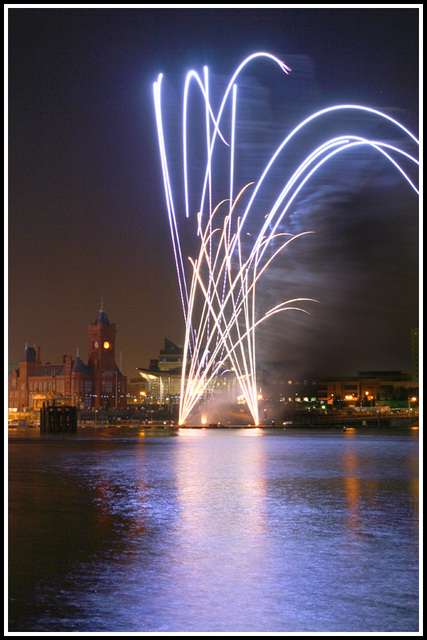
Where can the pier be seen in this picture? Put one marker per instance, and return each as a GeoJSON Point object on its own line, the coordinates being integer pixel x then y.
{"type": "Point", "coordinates": [55, 419]}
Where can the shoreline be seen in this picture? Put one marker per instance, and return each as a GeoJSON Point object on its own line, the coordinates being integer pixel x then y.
{"type": "Point", "coordinates": [408, 424]}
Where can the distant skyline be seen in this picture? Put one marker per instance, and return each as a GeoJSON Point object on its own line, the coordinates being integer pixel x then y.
{"type": "Point", "coordinates": [87, 219]}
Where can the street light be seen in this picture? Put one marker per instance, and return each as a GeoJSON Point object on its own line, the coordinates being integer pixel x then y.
{"type": "Point", "coordinates": [413, 399]}
{"type": "Point", "coordinates": [369, 398]}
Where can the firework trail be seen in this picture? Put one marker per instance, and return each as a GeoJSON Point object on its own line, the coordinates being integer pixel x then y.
{"type": "Point", "coordinates": [219, 301]}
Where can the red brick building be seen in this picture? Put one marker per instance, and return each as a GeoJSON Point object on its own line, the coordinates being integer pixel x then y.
{"type": "Point", "coordinates": [99, 384]}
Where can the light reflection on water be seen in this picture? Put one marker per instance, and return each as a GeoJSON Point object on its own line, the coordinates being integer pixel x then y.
{"type": "Point", "coordinates": [293, 531]}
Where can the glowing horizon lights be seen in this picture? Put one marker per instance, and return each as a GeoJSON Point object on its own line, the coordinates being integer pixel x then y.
{"type": "Point", "coordinates": [219, 301]}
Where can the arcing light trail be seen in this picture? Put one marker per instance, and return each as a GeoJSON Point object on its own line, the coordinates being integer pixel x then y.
{"type": "Point", "coordinates": [219, 304]}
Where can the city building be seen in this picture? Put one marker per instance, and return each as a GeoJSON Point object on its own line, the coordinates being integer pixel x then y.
{"type": "Point", "coordinates": [369, 389]}
{"type": "Point", "coordinates": [136, 392]}
{"type": "Point", "coordinates": [281, 387]}
{"type": "Point", "coordinates": [162, 380]}
{"type": "Point", "coordinates": [98, 384]}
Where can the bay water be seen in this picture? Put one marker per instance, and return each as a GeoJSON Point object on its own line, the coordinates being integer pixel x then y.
{"type": "Point", "coordinates": [133, 530]}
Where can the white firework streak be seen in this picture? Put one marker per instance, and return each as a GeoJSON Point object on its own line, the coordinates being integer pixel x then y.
{"type": "Point", "coordinates": [219, 306]}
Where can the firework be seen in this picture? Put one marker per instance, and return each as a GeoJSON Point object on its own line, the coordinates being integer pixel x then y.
{"type": "Point", "coordinates": [219, 299]}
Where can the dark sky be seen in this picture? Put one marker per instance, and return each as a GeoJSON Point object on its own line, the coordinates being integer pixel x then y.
{"type": "Point", "coordinates": [87, 215]}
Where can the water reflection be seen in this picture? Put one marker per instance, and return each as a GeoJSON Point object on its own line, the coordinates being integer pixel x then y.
{"type": "Point", "coordinates": [214, 531]}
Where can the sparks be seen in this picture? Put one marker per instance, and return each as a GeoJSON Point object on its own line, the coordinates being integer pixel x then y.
{"type": "Point", "coordinates": [219, 303]}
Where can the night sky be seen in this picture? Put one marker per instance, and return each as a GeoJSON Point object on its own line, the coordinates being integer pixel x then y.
{"type": "Point", "coordinates": [86, 210]}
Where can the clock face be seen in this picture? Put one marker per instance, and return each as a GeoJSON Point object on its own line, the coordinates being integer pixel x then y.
{"type": "Point", "coordinates": [95, 344]}
{"type": "Point", "coordinates": [106, 345]}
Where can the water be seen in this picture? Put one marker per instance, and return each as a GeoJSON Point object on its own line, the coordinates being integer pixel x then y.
{"type": "Point", "coordinates": [240, 530]}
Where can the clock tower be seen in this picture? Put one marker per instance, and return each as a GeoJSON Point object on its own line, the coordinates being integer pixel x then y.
{"type": "Point", "coordinates": [102, 360]}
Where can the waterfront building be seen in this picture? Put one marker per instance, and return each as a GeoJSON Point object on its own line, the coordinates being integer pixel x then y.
{"type": "Point", "coordinates": [109, 385]}
{"type": "Point", "coordinates": [369, 389]}
{"type": "Point", "coordinates": [162, 380]}
{"type": "Point", "coordinates": [136, 392]}
{"type": "Point", "coordinates": [98, 384]}
{"type": "Point", "coordinates": [280, 385]}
